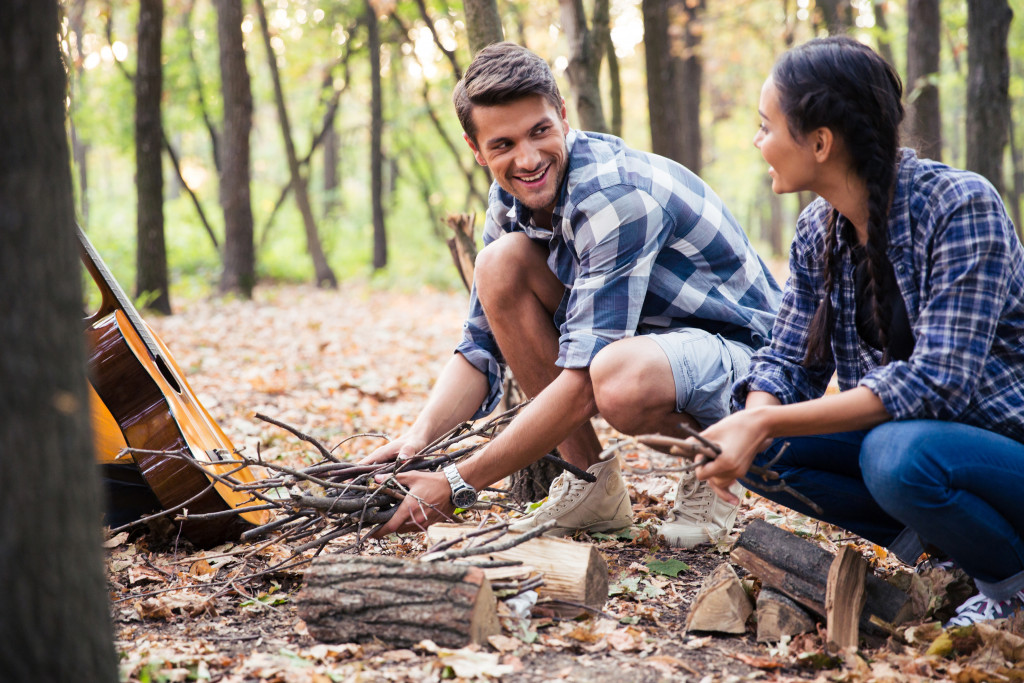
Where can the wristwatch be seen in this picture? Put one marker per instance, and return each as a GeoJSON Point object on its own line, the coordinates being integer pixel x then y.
{"type": "Point", "coordinates": [463, 495]}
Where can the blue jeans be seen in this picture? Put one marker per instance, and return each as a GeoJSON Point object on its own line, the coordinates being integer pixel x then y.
{"type": "Point", "coordinates": [958, 488]}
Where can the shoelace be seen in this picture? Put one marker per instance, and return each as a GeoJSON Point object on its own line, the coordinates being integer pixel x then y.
{"type": "Point", "coordinates": [981, 608]}
{"type": "Point", "coordinates": [693, 500]}
{"type": "Point", "coordinates": [564, 489]}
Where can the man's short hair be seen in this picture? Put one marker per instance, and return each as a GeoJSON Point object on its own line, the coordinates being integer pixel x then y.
{"type": "Point", "coordinates": [502, 73]}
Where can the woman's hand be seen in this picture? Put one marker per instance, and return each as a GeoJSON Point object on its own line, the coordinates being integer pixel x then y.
{"type": "Point", "coordinates": [741, 436]}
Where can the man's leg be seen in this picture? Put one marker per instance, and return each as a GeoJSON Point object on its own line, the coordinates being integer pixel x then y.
{"type": "Point", "coordinates": [520, 295]}
{"type": "Point", "coordinates": [656, 384]}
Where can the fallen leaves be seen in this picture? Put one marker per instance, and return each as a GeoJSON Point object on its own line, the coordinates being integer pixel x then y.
{"type": "Point", "coordinates": [338, 363]}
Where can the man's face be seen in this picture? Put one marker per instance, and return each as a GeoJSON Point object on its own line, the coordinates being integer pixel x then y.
{"type": "Point", "coordinates": [523, 143]}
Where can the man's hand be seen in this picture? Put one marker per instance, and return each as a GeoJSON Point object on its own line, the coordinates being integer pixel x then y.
{"type": "Point", "coordinates": [428, 500]}
{"type": "Point", "coordinates": [403, 447]}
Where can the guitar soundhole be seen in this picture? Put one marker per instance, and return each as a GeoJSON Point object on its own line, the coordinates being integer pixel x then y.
{"type": "Point", "coordinates": [168, 375]}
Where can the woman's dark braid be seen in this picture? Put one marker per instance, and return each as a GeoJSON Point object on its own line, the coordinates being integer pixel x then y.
{"type": "Point", "coordinates": [819, 345]}
{"type": "Point", "coordinates": [841, 84]}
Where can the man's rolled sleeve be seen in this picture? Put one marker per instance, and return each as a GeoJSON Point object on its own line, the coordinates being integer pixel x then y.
{"type": "Point", "coordinates": [618, 234]}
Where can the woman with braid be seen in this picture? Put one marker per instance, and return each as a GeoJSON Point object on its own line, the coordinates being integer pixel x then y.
{"type": "Point", "coordinates": [907, 281]}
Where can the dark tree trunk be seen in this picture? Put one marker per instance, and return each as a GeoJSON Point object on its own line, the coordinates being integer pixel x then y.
{"type": "Point", "coordinates": [882, 26]}
{"type": "Point", "coordinates": [1016, 190]}
{"type": "Point", "coordinates": [239, 252]}
{"type": "Point", "coordinates": [150, 250]}
{"type": "Point", "coordinates": [615, 89]}
{"type": "Point", "coordinates": [586, 51]}
{"type": "Point", "coordinates": [380, 238]}
{"type": "Point", "coordinates": [483, 24]}
{"type": "Point", "coordinates": [988, 82]}
{"type": "Point", "coordinates": [55, 623]}
{"type": "Point", "coordinates": [322, 271]}
{"type": "Point", "coordinates": [673, 78]}
{"type": "Point", "coordinates": [924, 121]}
{"type": "Point", "coordinates": [79, 147]}
{"type": "Point", "coordinates": [837, 15]}
{"type": "Point", "coordinates": [690, 85]}
{"type": "Point", "coordinates": [332, 191]}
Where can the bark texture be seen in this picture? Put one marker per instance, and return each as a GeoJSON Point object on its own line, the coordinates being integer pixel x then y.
{"type": "Point", "coordinates": [239, 273]}
{"type": "Point", "coordinates": [988, 83]}
{"type": "Point", "coordinates": [358, 599]}
{"type": "Point", "coordinates": [483, 24]}
{"type": "Point", "coordinates": [924, 120]}
{"type": "Point", "coordinates": [151, 277]}
{"type": "Point", "coordinates": [55, 624]}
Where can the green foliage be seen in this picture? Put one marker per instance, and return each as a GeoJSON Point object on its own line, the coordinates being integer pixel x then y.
{"type": "Point", "coordinates": [320, 48]}
{"type": "Point", "coordinates": [670, 567]}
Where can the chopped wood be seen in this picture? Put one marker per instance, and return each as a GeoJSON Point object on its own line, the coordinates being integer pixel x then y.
{"type": "Point", "coordinates": [778, 616]}
{"type": "Point", "coordinates": [722, 605]}
{"type": "Point", "coordinates": [358, 599]}
{"type": "Point", "coordinates": [573, 572]}
{"type": "Point", "coordinates": [799, 569]}
{"type": "Point", "coordinates": [844, 596]}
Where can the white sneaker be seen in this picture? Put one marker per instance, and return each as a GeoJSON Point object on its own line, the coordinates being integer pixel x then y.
{"type": "Point", "coordinates": [698, 515]}
{"type": "Point", "coordinates": [575, 504]}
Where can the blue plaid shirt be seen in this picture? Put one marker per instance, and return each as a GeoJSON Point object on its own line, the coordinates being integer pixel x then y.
{"type": "Point", "coordinates": [960, 270]}
{"type": "Point", "coordinates": [641, 244]}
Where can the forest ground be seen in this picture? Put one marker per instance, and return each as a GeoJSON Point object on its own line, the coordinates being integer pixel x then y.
{"type": "Point", "coordinates": [355, 360]}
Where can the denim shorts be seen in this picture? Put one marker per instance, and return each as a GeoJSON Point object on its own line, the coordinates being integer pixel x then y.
{"type": "Point", "coordinates": [704, 368]}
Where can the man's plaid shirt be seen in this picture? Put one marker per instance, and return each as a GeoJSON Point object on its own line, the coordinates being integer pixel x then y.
{"type": "Point", "coordinates": [960, 270]}
{"type": "Point", "coordinates": [641, 245]}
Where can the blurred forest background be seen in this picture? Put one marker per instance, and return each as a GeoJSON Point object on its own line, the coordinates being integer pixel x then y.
{"type": "Point", "coordinates": [219, 144]}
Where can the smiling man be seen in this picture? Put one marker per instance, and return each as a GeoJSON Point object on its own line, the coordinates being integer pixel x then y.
{"type": "Point", "coordinates": [611, 281]}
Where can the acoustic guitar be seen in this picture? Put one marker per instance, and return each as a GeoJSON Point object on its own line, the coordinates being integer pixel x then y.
{"type": "Point", "coordinates": [140, 399]}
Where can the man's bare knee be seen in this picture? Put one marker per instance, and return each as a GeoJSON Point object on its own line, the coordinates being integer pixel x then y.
{"type": "Point", "coordinates": [513, 266]}
{"type": "Point", "coordinates": [619, 391]}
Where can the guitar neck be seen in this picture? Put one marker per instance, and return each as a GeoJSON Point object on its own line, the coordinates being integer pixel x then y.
{"type": "Point", "coordinates": [113, 295]}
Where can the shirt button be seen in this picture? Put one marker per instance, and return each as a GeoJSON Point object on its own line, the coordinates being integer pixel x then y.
{"type": "Point", "coordinates": [902, 268]}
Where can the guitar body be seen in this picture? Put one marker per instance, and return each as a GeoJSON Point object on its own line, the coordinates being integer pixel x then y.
{"type": "Point", "coordinates": [144, 402]}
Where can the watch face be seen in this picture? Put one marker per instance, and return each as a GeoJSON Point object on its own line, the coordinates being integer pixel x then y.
{"type": "Point", "coordinates": [464, 498]}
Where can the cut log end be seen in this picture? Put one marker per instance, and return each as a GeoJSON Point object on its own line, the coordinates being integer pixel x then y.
{"type": "Point", "coordinates": [722, 605]}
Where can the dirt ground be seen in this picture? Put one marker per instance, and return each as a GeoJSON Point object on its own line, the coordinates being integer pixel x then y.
{"type": "Point", "coordinates": [340, 363]}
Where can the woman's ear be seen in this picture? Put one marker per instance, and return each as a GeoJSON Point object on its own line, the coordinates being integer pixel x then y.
{"type": "Point", "coordinates": [823, 144]}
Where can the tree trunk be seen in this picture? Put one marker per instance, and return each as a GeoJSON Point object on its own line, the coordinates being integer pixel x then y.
{"type": "Point", "coordinates": [837, 15]}
{"type": "Point", "coordinates": [924, 121]}
{"type": "Point", "coordinates": [586, 51]}
{"type": "Point", "coordinates": [332, 198]}
{"type": "Point", "coordinates": [322, 271]}
{"type": "Point", "coordinates": [1017, 189]}
{"type": "Point", "coordinates": [380, 239]}
{"type": "Point", "coordinates": [882, 26]}
{"type": "Point", "coordinates": [988, 81]}
{"type": "Point", "coordinates": [79, 148]}
{"type": "Point", "coordinates": [483, 24]}
{"type": "Point", "coordinates": [673, 79]}
{"type": "Point", "coordinates": [150, 251]}
{"type": "Point", "coordinates": [239, 252]}
{"type": "Point", "coordinates": [615, 89]}
{"type": "Point", "coordinates": [690, 85]}
{"type": "Point", "coordinates": [55, 624]}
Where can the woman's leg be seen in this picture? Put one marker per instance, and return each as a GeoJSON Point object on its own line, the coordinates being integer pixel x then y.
{"type": "Point", "coordinates": [826, 469]}
{"type": "Point", "coordinates": [961, 488]}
